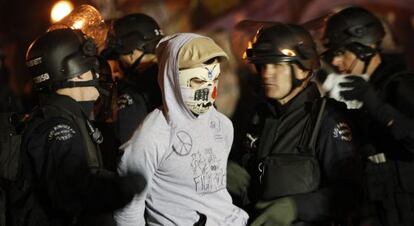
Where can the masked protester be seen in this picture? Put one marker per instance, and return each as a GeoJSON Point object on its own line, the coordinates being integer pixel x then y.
{"type": "Point", "coordinates": [131, 42]}
{"type": "Point", "coordinates": [62, 181]}
{"type": "Point", "coordinates": [299, 152]}
{"type": "Point", "coordinates": [384, 123]}
{"type": "Point", "coordinates": [182, 149]}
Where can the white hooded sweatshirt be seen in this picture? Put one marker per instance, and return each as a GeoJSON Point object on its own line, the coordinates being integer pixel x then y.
{"type": "Point", "coordinates": [183, 158]}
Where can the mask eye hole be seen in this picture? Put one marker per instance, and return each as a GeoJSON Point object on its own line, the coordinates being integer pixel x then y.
{"type": "Point", "coordinates": [197, 82]}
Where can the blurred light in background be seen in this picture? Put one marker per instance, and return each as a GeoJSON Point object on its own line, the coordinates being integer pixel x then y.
{"type": "Point", "coordinates": [87, 19]}
{"type": "Point", "coordinates": [60, 10]}
{"type": "Point", "coordinates": [78, 24]}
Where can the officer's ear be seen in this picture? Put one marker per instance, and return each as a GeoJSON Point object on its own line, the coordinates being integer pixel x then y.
{"type": "Point", "coordinates": [300, 73]}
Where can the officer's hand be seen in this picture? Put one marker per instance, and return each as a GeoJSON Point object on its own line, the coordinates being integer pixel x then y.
{"type": "Point", "coordinates": [238, 179]}
{"type": "Point", "coordinates": [359, 89]}
{"type": "Point", "coordinates": [279, 212]}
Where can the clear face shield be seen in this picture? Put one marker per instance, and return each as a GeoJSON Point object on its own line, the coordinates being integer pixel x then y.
{"type": "Point", "coordinates": [87, 19]}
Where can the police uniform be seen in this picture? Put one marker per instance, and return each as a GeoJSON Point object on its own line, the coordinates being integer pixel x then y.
{"type": "Point", "coordinates": [62, 180]}
{"type": "Point", "coordinates": [384, 125]}
{"type": "Point", "coordinates": [138, 95]}
{"type": "Point", "coordinates": [301, 159]}
{"type": "Point", "coordinates": [284, 131]}
{"type": "Point", "coordinates": [62, 164]}
{"type": "Point", "coordinates": [138, 91]}
{"type": "Point", "coordinates": [389, 181]}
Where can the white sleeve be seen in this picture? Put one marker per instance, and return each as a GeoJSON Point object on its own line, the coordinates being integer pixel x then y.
{"type": "Point", "coordinates": [140, 156]}
{"type": "Point", "coordinates": [228, 132]}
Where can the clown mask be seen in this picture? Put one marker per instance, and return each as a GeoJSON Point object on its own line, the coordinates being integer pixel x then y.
{"type": "Point", "coordinates": [199, 87]}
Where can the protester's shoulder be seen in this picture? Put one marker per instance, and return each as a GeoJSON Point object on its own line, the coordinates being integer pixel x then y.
{"type": "Point", "coordinates": [150, 137]}
{"type": "Point", "coordinates": [224, 120]}
{"type": "Point", "coordinates": [155, 119]}
{"type": "Point", "coordinates": [152, 128]}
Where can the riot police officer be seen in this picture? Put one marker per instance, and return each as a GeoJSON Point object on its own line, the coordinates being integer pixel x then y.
{"type": "Point", "coordinates": [384, 125]}
{"type": "Point", "coordinates": [300, 155]}
{"type": "Point", "coordinates": [132, 42]}
{"type": "Point", "coordinates": [62, 179]}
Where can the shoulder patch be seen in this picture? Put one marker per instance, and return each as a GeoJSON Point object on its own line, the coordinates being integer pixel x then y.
{"type": "Point", "coordinates": [342, 131]}
{"type": "Point", "coordinates": [61, 132]}
{"type": "Point", "coordinates": [124, 101]}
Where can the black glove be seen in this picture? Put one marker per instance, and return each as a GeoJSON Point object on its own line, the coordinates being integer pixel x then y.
{"type": "Point", "coordinates": [361, 90]}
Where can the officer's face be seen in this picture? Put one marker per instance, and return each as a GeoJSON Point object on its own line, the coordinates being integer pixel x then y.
{"type": "Point", "coordinates": [347, 62]}
{"type": "Point", "coordinates": [277, 81]}
{"type": "Point", "coordinates": [81, 93]}
{"type": "Point", "coordinates": [146, 61]}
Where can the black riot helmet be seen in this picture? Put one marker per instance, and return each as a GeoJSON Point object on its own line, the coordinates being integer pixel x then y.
{"type": "Point", "coordinates": [60, 55]}
{"type": "Point", "coordinates": [354, 29]}
{"type": "Point", "coordinates": [284, 43]}
{"type": "Point", "coordinates": [134, 31]}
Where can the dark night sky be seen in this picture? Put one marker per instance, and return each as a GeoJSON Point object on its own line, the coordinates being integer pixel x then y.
{"type": "Point", "coordinates": [22, 21]}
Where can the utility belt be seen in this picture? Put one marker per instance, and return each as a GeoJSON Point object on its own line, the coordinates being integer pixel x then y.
{"type": "Point", "coordinates": [285, 174]}
{"type": "Point", "coordinates": [378, 177]}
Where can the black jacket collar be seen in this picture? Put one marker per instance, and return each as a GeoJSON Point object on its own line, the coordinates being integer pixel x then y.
{"type": "Point", "coordinates": [390, 65]}
{"type": "Point", "coordinates": [64, 103]}
{"type": "Point", "coordinates": [307, 96]}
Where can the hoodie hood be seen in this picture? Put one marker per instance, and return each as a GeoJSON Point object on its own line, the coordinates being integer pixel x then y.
{"type": "Point", "coordinates": [168, 51]}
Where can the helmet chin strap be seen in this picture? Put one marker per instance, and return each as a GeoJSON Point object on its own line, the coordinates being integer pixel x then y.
{"type": "Point", "coordinates": [132, 68]}
{"type": "Point", "coordinates": [354, 62]}
{"type": "Point", "coordinates": [77, 84]}
{"type": "Point", "coordinates": [352, 66]}
{"type": "Point", "coordinates": [367, 62]}
{"type": "Point", "coordinates": [295, 83]}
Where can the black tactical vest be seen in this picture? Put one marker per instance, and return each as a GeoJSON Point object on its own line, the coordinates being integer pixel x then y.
{"type": "Point", "coordinates": [25, 207]}
{"type": "Point", "coordinates": [92, 152]}
{"type": "Point", "coordinates": [286, 158]}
